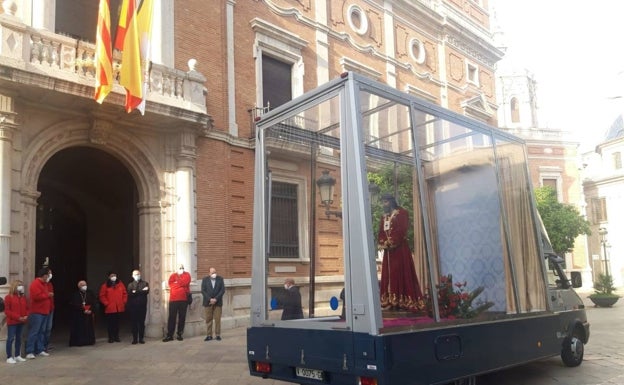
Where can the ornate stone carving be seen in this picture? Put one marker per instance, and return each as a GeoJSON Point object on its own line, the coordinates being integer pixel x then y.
{"type": "Point", "coordinates": [100, 131]}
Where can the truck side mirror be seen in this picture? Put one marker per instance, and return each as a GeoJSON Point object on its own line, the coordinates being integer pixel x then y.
{"type": "Point", "coordinates": [576, 279]}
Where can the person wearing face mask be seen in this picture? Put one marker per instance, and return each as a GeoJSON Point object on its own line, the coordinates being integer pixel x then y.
{"type": "Point", "coordinates": [16, 312]}
{"type": "Point", "coordinates": [82, 329]}
{"type": "Point", "coordinates": [213, 288]}
{"type": "Point", "coordinates": [47, 333]}
{"type": "Point", "coordinates": [179, 288]}
{"type": "Point", "coordinates": [138, 289]}
{"type": "Point", "coordinates": [38, 312]}
{"type": "Point", "coordinates": [291, 301]}
{"type": "Point", "coordinates": [113, 296]}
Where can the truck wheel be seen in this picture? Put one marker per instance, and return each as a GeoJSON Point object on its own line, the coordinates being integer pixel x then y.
{"type": "Point", "coordinates": [573, 349]}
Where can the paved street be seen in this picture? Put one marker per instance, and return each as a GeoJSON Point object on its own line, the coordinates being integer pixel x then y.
{"type": "Point", "coordinates": [194, 361]}
{"type": "Point", "coordinates": [604, 357]}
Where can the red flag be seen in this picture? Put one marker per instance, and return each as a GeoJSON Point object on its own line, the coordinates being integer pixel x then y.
{"type": "Point", "coordinates": [103, 54]}
{"type": "Point", "coordinates": [127, 41]}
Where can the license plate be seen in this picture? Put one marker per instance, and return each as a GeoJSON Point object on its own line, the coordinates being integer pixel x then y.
{"type": "Point", "coordinates": [310, 373]}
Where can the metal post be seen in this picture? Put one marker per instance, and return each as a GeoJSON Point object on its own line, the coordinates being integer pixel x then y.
{"type": "Point", "coordinates": [603, 239]}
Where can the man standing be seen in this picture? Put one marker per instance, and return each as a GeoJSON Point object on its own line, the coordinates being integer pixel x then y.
{"type": "Point", "coordinates": [212, 289]}
{"type": "Point", "coordinates": [400, 289]}
{"type": "Point", "coordinates": [39, 311]}
{"type": "Point", "coordinates": [291, 301]}
{"type": "Point", "coordinates": [179, 288]}
{"type": "Point", "coordinates": [138, 290]}
{"type": "Point", "coordinates": [50, 318]}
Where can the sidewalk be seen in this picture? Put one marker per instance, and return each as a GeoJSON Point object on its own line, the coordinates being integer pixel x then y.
{"type": "Point", "coordinates": [191, 361]}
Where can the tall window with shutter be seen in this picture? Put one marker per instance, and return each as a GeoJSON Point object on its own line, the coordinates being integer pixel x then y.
{"type": "Point", "coordinates": [284, 221]}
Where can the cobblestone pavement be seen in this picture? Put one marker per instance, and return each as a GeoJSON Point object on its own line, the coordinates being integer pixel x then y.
{"type": "Point", "coordinates": [194, 361]}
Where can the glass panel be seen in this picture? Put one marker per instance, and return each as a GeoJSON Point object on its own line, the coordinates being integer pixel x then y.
{"type": "Point", "coordinates": [306, 266]}
{"type": "Point", "coordinates": [464, 215]}
{"type": "Point", "coordinates": [396, 214]}
{"type": "Point", "coordinates": [523, 246]}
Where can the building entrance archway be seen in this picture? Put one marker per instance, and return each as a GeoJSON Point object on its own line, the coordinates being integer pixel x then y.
{"type": "Point", "coordinates": [86, 222]}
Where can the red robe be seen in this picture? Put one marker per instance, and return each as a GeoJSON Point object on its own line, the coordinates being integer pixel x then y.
{"type": "Point", "coordinates": [399, 285]}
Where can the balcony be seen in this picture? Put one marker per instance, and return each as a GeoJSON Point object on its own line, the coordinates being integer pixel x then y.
{"type": "Point", "coordinates": [46, 67]}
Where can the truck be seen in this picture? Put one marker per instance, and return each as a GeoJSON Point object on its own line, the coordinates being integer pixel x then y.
{"type": "Point", "coordinates": [490, 291]}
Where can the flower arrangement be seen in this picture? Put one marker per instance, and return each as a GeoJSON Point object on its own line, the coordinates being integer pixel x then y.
{"type": "Point", "coordinates": [455, 301]}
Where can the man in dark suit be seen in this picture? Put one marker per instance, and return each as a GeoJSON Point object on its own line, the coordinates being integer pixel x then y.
{"type": "Point", "coordinates": [291, 301]}
{"type": "Point", "coordinates": [212, 289]}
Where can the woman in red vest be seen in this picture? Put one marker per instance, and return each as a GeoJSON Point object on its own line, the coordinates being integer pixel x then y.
{"type": "Point", "coordinates": [16, 311]}
{"type": "Point", "coordinates": [113, 296]}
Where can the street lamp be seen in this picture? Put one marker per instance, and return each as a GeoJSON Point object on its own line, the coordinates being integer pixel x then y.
{"type": "Point", "coordinates": [603, 240]}
{"type": "Point", "coordinates": [326, 185]}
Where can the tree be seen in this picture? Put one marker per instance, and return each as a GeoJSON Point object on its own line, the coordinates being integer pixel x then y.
{"type": "Point", "coordinates": [396, 179]}
{"type": "Point", "coordinates": [562, 221]}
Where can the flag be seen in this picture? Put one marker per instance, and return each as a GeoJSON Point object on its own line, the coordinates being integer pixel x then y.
{"type": "Point", "coordinates": [127, 41]}
{"type": "Point", "coordinates": [144, 24]}
{"type": "Point", "coordinates": [103, 54]}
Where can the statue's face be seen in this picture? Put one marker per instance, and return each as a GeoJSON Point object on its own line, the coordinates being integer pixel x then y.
{"type": "Point", "coordinates": [387, 206]}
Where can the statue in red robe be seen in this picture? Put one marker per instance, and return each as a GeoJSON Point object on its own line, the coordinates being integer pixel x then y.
{"type": "Point", "coordinates": [400, 289]}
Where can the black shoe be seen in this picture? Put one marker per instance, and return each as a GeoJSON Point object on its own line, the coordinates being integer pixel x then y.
{"type": "Point", "coordinates": [134, 342]}
{"type": "Point", "coordinates": [110, 340]}
{"type": "Point", "coordinates": [167, 339]}
{"type": "Point", "coordinates": [179, 338]}
{"type": "Point", "coordinates": [218, 338]}
{"type": "Point", "coordinates": [117, 339]}
{"type": "Point", "coordinates": [141, 341]}
{"type": "Point", "coordinates": [208, 338]}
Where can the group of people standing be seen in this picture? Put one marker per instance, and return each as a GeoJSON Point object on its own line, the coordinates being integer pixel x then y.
{"type": "Point", "coordinates": [115, 298]}
{"type": "Point", "coordinates": [38, 313]}
{"type": "Point", "coordinates": [180, 297]}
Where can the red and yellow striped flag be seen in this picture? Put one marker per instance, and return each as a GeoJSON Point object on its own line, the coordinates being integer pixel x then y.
{"type": "Point", "coordinates": [127, 41]}
{"type": "Point", "coordinates": [103, 54]}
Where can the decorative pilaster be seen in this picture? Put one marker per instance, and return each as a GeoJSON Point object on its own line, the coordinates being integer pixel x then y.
{"type": "Point", "coordinates": [151, 264]}
{"type": "Point", "coordinates": [7, 125]}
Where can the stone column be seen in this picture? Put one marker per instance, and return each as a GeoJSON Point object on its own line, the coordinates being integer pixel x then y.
{"type": "Point", "coordinates": [185, 201]}
{"type": "Point", "coordinates": [5, 199]}
{"type": "Point", "coordinates": [151, 261]}
{"type": "Point", "coordinates": [7, 126]}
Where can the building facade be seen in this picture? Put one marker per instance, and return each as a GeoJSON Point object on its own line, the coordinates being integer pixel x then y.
{"type": "Point", "coordinates": [603, 185]}
{"type": "Point", "coordinates": [89, 189]}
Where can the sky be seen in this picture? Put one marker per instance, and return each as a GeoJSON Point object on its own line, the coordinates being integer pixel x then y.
{"type": "Point", "coordinates": [575, 49]}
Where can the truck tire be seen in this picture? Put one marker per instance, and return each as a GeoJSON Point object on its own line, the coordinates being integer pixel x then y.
{"type": "Point", "coordinates": [573, 349]}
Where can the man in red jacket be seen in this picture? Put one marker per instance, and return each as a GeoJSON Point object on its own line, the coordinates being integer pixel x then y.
{"type": "Point", "coordinates": [39, 311]}
{"type": "Point", "coordinates": [179, 288]}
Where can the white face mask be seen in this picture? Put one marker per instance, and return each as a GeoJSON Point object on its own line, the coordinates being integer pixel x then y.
{"type": "Point", "coordinates": [285, 286]}
{"type": "Point", "coordinates": [213, 276]}
{"type": "Point", "coordinates": [113, 279]}
{"type": "Point", "coordinates": [20, 289]}
{"type": "Point", "coordinates": [136, 277]}
{"type": "Point", "coordinates": [83, 288]}
{"type": "Point", "coordinates": [49, 277]}
{"type": "Point", "coordinates": [180, 271]}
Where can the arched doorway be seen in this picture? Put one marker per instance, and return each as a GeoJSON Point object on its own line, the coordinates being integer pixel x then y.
{"type": "Point", "coordinates": [86, 223]}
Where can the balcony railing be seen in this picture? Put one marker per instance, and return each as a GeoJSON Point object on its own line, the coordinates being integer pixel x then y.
{"type": "Point", "coordinates": [63, 57]}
